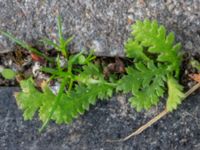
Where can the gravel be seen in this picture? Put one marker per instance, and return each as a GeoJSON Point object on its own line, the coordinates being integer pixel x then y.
{"type": "Point", "coordinates": [111, 119]}
{"type": "Point", "coordinates": [96, 24]}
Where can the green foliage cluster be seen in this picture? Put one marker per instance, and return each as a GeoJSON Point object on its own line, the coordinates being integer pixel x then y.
{"type": "Point", "coordinates": [68, 104]}
{"type": "Point", "coordinates": [7, 73]}
{"type": "Point", "coordinates": [81, 84]}
{"type": "Point", "coordinates": [195, 64]}
{"type": "Point", "coordinates": [155, 63]}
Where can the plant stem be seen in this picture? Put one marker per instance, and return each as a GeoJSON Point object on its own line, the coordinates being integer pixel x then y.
{"type": "Point", "coordinates": [70, 85]}
{"type": "Point", "coordinates": [58, 98]}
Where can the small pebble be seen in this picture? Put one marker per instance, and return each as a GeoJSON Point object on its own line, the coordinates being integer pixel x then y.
{"type": "Point", "coordinates": [189, 45]}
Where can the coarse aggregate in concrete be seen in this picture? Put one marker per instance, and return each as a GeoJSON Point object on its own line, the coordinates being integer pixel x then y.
{"type": "Point", "coordinates": [103, 25]}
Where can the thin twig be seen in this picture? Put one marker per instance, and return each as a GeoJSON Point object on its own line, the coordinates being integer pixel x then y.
{"type": "Point", "coordinates": [155, 119]}
{"type": "Point", "coordinates": [190, 91]}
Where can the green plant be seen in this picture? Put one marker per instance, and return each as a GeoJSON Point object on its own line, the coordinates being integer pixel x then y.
{"type": "Point", "coordinates": [67, 104]}
{"type": "Point", "coordinates": [195, 64]}
{"type": "Point", "coordinates": [25, 45]}
{"type": "Point", "coordinates": [61, 44]}
{"type": "Point", "coordinates": [155, 64]}
{"type": "Point", "coordinates": [81, 84]}
{"type": "Point", "coordinates": [156, 61]}
{"type": "Point", "coordinates": [7, 73]}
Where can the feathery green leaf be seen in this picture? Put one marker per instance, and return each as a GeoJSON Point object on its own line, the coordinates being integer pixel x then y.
{"type": "Point", "coordinates": [151, 39]}
{"type": "Point", "coordinates": [175, 94]}
{"type": "Point", "coordinates": [146, 82]}
{"type": "Point", "coordinates": [156, 56]}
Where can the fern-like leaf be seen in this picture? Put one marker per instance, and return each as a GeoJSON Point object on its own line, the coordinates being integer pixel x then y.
{"type": "Point", "coordinates": [30, 99]}
{"type": "Point", "coordinates": [71, 104]}
{"type": "Point", "coordinates": [156, 57]}
{"type": "Point", "coordinates": [150, 38]}
{"type": "Point", "coordinates": [175, 94]}
{"type": "Point", "coordinates": [92, 77]}
{"type": "Point", "coordinates": [146, 82]}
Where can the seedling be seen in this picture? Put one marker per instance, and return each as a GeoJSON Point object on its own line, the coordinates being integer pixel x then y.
{"type": "Point", "coordinates": [7, 73]}
{"type": "Point", "coordinates": [81, 84]}
{"type": "Point", "coordinates": [61, 45]}
{"type": "Point", "coordinates": [195, 64]}
{"type": "Point", "coordinates": [154, 69]}
{"type": "Point", "coordinates": [156, 62]}
{"type": "Point", "coordinates": [25, 45]}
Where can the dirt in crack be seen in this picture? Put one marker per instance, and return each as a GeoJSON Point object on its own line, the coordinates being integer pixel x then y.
{"type": "Point", "coordinates": [23, 62]}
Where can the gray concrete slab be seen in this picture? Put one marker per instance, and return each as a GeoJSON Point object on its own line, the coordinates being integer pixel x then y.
{"type": "Point", "coordinates": [102, 25]}
{"type": "Point", "coordinates": [111, 119]}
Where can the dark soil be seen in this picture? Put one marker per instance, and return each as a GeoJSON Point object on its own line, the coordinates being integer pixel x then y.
{"type": "Point", "coordinates": [21, 61]}
{"type": "Point", "coordinates": [187, 69]}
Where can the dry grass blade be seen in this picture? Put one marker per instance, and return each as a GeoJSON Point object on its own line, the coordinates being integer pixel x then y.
{"type": "Point", "coordinates": [155, 119]}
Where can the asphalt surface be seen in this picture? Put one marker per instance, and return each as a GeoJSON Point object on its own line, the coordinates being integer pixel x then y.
{"type": "Point", "coordinates": [111, 119]}
{"type": "Point", "coordinates": [103, 25]}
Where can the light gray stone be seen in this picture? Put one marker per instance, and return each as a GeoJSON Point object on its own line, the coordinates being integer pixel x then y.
{"type": "Point", "coordinates": [96, 24]}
